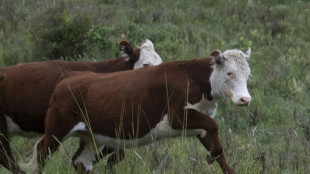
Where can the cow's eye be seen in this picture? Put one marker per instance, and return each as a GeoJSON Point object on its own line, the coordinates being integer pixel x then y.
{"type": "Point", "coordinates": [231, 74]}
{"type": "Point", "coordinates": [146, 64]}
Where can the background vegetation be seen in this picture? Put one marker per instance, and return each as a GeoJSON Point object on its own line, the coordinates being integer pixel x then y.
{"type": "Point", "coordinates": [270, 136]}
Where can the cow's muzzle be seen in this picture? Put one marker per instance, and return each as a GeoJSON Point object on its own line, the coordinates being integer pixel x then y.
{"type": "Point", "coordinates": [244, 101]}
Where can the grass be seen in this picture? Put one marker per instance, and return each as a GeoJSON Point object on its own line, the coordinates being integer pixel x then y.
{"type": "Point", "coordinates": [270, 136]}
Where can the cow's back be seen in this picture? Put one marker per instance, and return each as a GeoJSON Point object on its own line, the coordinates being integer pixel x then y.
{"type": "Point", "coordinates": [26, 91]}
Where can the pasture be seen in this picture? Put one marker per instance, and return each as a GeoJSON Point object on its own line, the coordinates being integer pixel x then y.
{"type": "Point", "coordinates": [272, 135]}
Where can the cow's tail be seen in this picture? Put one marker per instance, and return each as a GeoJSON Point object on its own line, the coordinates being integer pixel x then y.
{"type": "Point", "coordinates": [32, 164]}
{"type": "Point", "coordinates": [2, 77]}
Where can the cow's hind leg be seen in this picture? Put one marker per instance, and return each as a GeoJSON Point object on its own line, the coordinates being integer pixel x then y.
{"type": "Point", "coordinates": [6, 158]}
{"type": "Point", "coordinates": [117, 155]}
{"type": "Point", "coordinates": [84, 157]}
{"type": "Point", "coordinates": [87, 155]}
{"type": "Point", "coordinates": [58, 128]}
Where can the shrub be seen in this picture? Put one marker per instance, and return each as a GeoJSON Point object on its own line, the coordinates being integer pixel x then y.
{"type": "Point", "coordinates": [137, 33]}
{"type": "Point", "coordinates": [58, 33]}
{"type": "Point", "coordinates": [99, 37]}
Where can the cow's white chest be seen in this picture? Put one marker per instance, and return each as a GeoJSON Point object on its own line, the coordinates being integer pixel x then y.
{"type": "Point", "coordinates": [15, 130]}
{"type": "Point", "coordinates": [204, 106]}
{"type": "Point", "coordinates": [162, 130]}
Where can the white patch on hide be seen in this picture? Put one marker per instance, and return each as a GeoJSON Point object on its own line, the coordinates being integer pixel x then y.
{"type": "Point", "coordinates": [160, 131]}
{"type": "Point", "coordinates": [78, 127]}
{"type": "Point", "coordinates": [87, 156]}
{"type": "Point", "coordinates": [204, 106]}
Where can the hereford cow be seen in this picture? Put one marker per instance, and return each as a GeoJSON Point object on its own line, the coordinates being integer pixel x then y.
{"type": "Point", "coordinates": [26, 91]}
{"type": "Point", "coordinates": [133, 108]}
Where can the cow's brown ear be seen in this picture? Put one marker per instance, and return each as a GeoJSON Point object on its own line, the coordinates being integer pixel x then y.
{"type": "Point", "coordinates": [217, 56]}
{"type": "Point", "coordinates": [2, 77]}
{"type": "Point", "coordinates": [135, 56]}
{"type": "Point", "coordinates": [125, 48]}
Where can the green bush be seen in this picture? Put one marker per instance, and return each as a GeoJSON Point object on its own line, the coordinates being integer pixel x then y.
{"type": "Point", "coordinates": [99, 37]}
{"type": "Point", "coordinates": [137, 33]}
{"type": "Point", "coordinates": [56, 32]}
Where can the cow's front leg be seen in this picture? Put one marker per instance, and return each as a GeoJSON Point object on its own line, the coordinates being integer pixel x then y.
{"type": "Point", "coordinates": [210, 139]}
{"type": "Point", "coordinates": [220, 159]}
{"type": "Point", "coordinates": [198, 121]}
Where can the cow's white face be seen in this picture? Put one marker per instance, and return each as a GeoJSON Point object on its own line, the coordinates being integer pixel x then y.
{"type": "Point", "coordinates": [148, 56]}
{"type": "Point", "coordinates": [230, 76]}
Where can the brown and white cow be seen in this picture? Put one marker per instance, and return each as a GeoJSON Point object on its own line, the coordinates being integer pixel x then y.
{"type": "Point", "coordinates": [26, 91]}
{"type": "Point", "coordinates": [133, 108]}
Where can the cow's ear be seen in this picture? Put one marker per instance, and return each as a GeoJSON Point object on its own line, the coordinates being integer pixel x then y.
{"type": "Point", "coordinates": [2, 77]}
{"type": "Point", "coordinates": [217, 56]}
{"type": "Point", "coordinates": [247, 54]}
{"type": "Point", "coordinates": [125, 48]}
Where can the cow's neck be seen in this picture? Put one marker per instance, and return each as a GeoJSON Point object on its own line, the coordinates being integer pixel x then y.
{"type": "Point", "coordinates": [200, 71]}
{"type": "Point", "coordinates": [112, 65]}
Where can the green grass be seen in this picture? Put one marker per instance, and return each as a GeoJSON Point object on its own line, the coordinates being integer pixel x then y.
{"type": "Point", "coordinates": [270, 136]}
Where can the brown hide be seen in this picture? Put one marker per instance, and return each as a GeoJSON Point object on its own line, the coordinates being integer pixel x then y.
{"type": "Point", "coordinates": [2, 77]}
{"type": "Point", "coordinates": [120, 100]}
{"type": "Point", "coordinates": [27, 89]}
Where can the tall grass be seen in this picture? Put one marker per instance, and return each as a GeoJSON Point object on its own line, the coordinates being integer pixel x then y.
{"type": "Point", "coordinates": [270, 136]}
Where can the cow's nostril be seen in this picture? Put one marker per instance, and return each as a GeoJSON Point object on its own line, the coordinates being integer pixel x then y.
{"type": "Point", "coordinates": [244, 101]}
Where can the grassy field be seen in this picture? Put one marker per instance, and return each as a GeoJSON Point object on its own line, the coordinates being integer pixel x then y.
{"type": "Point", "coordinates": [270, 136]}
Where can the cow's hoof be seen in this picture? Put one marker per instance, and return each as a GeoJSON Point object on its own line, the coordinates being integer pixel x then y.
{"type": "Point", "coordinates": [229, 171]}
{"type": "Point", "coordinates": [211, 159]}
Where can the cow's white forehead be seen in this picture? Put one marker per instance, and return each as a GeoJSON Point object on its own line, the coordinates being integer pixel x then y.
{"type": "Point", "coordinates": [237, 58]}
{"type": "Point", "coordinates": [147, 55]}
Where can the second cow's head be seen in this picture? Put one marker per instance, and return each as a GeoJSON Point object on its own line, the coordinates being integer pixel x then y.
{"type": "Point", "coordinates": [230, 76]}
{"type": "Point", "coordinates": [145, 55]}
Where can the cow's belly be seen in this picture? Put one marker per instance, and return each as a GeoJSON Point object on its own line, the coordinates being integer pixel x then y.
{"type": "Point", "coordinates": [162, 130]}
{"type": "Point", "coordinates": [15, 130]}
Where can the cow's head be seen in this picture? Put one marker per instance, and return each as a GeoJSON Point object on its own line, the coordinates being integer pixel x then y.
{"type": "Point", "coordinates": [145, 55]}
{"type": "Point", "coordinates": [230, 76]}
